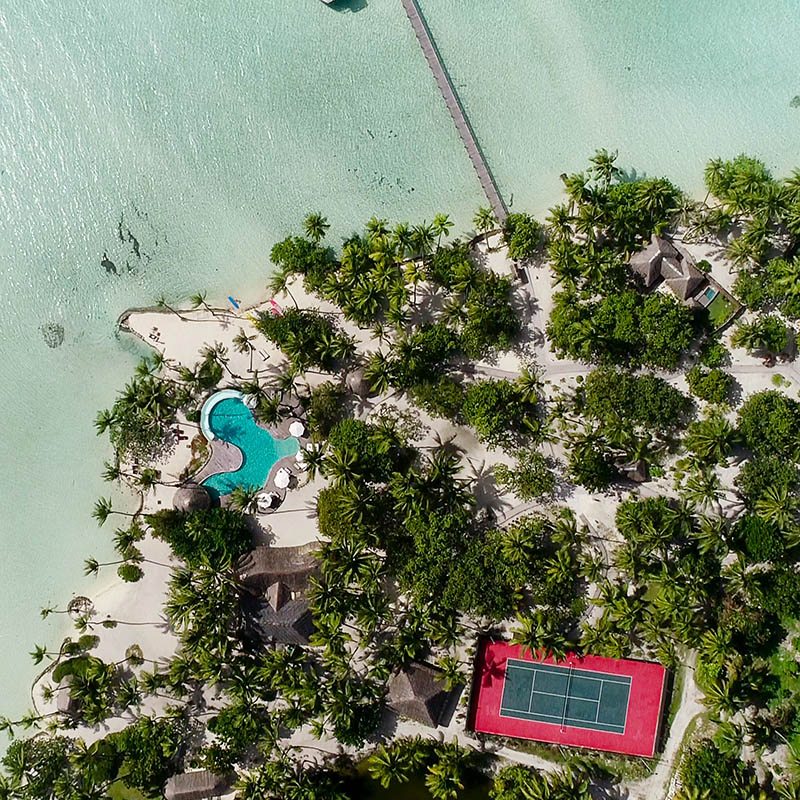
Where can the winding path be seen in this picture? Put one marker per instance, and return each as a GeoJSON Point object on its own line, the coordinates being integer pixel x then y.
{"type": "Point", "coordinates": [455, 108]}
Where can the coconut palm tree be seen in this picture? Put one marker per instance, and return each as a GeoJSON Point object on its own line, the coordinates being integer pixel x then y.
{"type": "Point", "coordinates": [604, 169]}
{"type": "Point", "coordinates": [162, 304]}
{"type": "Point", "coordinates": [702, 488]}
{"type": "Point", "coordinates": [316, 227]}
{"type": "Point", "coordinates": [103, 421]}
{"type": "Point", "coordinates": [415, 273]}
{"type": "Point", "coordinates": [243, 343]}
{"type": "Point", "coordinates": [711, 439]}
{"type": "Point", "coordinates": [278, 283]}
{"type": "Point", "coordinates": [403, 240]}
{"type": "Point", "coordinates": [537, 634]}
{"type": "Point", "coordinates": [423, 237]}
{"type": "Point", "coordinates": [245, 499]}
{"type": "Point", "coordinates": [484, 221]}
{"type": "Point", "coordinates": [198, 300]}
{"type": "Point", "coordinates": [103, 510]}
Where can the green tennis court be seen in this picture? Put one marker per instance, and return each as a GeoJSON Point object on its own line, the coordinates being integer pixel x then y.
{"type": "Point", "coordinates": [565, 696]}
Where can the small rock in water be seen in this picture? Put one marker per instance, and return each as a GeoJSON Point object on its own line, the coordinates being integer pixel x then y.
{"type": "Point", "coordinates": [795, 101]}
{"type": "Point", "coordinates": [53, 334]}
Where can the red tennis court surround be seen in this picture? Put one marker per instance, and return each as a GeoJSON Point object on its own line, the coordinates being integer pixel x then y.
{"type": "Point", "coordinates": [584, 701]}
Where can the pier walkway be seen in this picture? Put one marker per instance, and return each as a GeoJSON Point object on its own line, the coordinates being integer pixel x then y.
{"type": "Point", "coordinates": [456, 111]}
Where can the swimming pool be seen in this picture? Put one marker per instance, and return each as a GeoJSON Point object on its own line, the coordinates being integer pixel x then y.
{"type": "Point", "coordinates": [226, 417]}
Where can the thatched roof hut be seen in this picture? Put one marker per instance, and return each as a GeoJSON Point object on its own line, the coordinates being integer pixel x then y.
{"type": "Point", "coordinates": [419, 692]}
{"type": "Point", "coordinates": [197, 785]}
{"type": "Point", "coordinates": [290, 566]}
{"type": "Point", "coordinates": [285, 618]}
{"type": "Point", "coordinates": [191, 497]}
{"type": "Point", "coordinates": [662, 259]}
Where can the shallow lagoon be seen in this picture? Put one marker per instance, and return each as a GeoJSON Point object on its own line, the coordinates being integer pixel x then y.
{"type": "Point", "coordinates": [164, 149]}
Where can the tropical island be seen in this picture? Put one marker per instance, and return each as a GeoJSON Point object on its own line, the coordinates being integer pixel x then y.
{"type": "Point", "coordinates": [361, 522]}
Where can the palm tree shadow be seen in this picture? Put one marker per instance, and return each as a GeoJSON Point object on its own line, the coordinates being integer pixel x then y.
{"type": "Point", "coordinates": [484, 487]}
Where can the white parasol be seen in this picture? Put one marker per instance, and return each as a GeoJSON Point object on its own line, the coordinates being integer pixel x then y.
{"type": "Point", "coordinates": [297, 429]}
{"type": "Point", "coordinates": [282, 477]}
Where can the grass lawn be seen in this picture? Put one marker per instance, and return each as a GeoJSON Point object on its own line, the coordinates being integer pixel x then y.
{"type": "Point", "coordinates": [720, 310]}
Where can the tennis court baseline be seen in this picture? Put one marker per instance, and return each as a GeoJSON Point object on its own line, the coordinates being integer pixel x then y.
{"type": "Point", "coordinates": [565, 696]}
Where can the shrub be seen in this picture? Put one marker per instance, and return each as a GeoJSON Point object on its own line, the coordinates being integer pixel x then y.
{"type": "Point", "coordinates": [762, 540]}
{"type": "Point", "coordinates": [769, 422]}
{"type": "Point", "coordinates": [497, 411]}
{"type": "Point", "coordinates": [443, 398]}
{"type": "Point", "coordinates": [523, 235]}
{"type": "Point", "coordinates": [375, 453]}
{"type": "Point", "coordinates": [530, 478]}
{"type": "Point", "coordinates": [762, 472]}
{"type": "Point", "coordinates": [708, 771]}
{"type": "Point", "coordinates": [325, 407]}
{"type": "Point", "coordinates": [714, 354]}
{"type": "Point", "coordinates": [712, 385]}
{"type": "Point", "coordinates": [644, 399]}
{"type": "Point", "coordinates": [130, 573]}
{"type": "Point", "coordinates": [218, 535]}
{"type": "Point", "coordinates": [766, 334]}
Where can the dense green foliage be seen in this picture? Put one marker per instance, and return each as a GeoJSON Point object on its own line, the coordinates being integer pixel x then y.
{"type": "Point", "coordinates": [499, 411]}
{"type": "Point", "coordinates": [621, 328]}
{"type": "Point", "coordinates": [770, 424]}
{"type": "Point", "coordinates": [613, 396]}
{"type": "Point", "coordinates": [308, 338]}
{"type": "Point", "coordinates": [523, 235]}
{"type": "Point", "coordinates": [216, 536]}
{"type": "Point", "coordinates": [531, 476]}
{"type": "Point", "coordinates": [712, 385]}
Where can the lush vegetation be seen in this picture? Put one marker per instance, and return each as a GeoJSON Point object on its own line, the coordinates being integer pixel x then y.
{"type": "Point", "coordinates": [416, 560]}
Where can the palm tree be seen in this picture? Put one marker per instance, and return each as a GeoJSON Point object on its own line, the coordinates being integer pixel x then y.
{"type": "Point", "coordinates": [415, 273]}
{"type": "Point", "coordinates": [314, 460]}
{"type": "Point", "coordinates": [278, 283]}
{"type": "Point", "coordinates": [403, 240]}
{"type": "Point", "coordinates": [243, 343]}
{"type": "Point", "coordinates": [376, 227]}
{"type": "Point", "coordinates": [484, 221]}
{"type": "Point", "coordinates": [199, 299]}
{"type": "Point", "coordinates": [423, 237]}
{"type": "Point", "coordinates": [316, 226]}
{"type": "Point", "coordinates": [604, 168]}
{"type": "Point", "coordinates": [378, 372]}
{"type": "Point", "coordinates": [103, 510]}
{"type": "Point", "coordinates": [245, 499]}
{"type": "Point", "coordinates": [538, 635]}
{"type": "Point", "coordinates": [778, 505]}
{"type": "Point", "coordinates": [702, 488]}
{"type": "Point", "coordinates": [103, 421]}
{"type": "Point", "coordinates": [711, 439]}
{"type": "Point", "coordinates": [390, 765]}
{"type": "Point", "coordinates": [559, 221]}
{"type": "Point", "coordinates": [164, 305]}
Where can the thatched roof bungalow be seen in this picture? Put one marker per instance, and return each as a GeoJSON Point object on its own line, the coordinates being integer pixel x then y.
{"type": "Point", "coordinates": [662, 259]}
{"type": "Point", "coordinates": [419, 692]}
{"type": "Point", "coordinates": [197, 785]}
{"type": "Point", "coordinates": [262, 567]}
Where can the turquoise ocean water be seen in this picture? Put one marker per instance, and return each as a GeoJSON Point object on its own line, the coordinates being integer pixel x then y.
{"type": "Point", "coordinates": [164, 146]}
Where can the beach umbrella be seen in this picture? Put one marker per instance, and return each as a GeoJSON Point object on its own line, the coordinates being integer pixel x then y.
{"type": "Point", "coordinates": [297, 429]}
{"type": "Point", "coordinates": [282, 478]}
{"type": "Point", "coordinates": [300, 459]}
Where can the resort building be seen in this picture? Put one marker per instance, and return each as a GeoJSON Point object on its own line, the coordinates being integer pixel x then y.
{"type": "Point", "coordinates": [277, 578]}
{"type": "Point", "coordinates": [419, 692]}
{"type": "Point", "coordinates": [662, 260]}
{"type": "Point", "coordinates": [197, 785]}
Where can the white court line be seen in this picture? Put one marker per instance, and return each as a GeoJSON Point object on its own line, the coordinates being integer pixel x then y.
{"type": "Point", "coordinates": [597, 713]}
{"type": "Point", "coordinates": [533, 691]}
{"type": "Point", "coordinates": [623, 679]}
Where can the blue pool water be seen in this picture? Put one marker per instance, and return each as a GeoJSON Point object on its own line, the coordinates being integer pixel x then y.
{"type": "Point", "coordinates": [232, 421]}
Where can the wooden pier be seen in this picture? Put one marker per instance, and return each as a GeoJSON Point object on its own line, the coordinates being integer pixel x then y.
{"type": "Point", "coordinates": [456, 110]}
